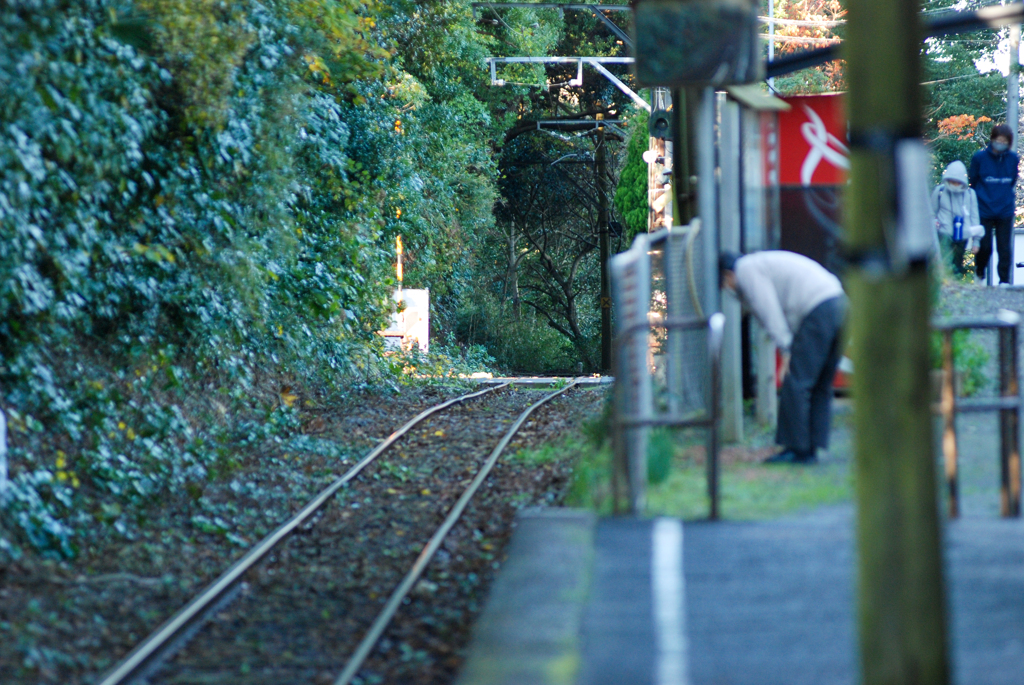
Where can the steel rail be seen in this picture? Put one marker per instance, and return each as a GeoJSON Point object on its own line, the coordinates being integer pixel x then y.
{"type": "Point", "coordinates": [355, 662]}
{"type": "Point", "coordinates": [148, 650]}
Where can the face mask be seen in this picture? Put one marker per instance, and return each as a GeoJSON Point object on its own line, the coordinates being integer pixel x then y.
{"type": "Point", "coordinates": [1000, 147]}
{"type": "Point", "coordinates": [954, 187]}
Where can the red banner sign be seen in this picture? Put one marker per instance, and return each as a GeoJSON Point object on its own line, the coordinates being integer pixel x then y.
{"type": "Point", "coordinates": [812, 141]}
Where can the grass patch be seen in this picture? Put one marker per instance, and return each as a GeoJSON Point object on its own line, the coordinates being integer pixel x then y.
{"type": "Point", "coordinates": [565, 450]}
{"type": "Point", "coordinates": [749, 489]}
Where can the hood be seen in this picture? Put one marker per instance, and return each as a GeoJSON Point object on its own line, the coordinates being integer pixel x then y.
{"type": "Point", "coordinates": [956, 171]}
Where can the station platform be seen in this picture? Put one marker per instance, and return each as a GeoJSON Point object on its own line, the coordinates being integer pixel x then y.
{"type": "Point", "coordinates": [587, 601]}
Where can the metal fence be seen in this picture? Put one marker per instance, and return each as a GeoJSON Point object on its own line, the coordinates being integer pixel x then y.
{"type": "Point", "coordinates": [1009, 405]}
{"type": "Point", "coordinates": [661, 326]}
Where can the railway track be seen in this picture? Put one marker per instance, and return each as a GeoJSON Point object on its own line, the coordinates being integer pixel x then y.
{"type": "Point", "coordinates": [299, 606]}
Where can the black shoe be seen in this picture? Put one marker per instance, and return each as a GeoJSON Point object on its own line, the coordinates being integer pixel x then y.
{"type": "Point", "coordinates": [790, 456]}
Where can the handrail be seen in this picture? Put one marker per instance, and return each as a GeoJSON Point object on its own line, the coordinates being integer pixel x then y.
{"type": "Point", "coordinates": [1009, 404]}
{"type": "Point", "coordinates": [716, 327]}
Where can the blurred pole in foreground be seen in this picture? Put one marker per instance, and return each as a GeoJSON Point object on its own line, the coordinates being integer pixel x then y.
{"type": "Point", "coordinates": [900, 583]}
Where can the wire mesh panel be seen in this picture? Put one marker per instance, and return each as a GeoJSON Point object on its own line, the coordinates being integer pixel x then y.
{"type": "Point", "coordinates": [631, 292]}
{"type": "Point", "coordinates": [686, 355]}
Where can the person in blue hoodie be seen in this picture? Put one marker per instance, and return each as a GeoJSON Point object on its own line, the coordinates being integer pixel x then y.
{"type": "Point", "coordinates": [993, 175]}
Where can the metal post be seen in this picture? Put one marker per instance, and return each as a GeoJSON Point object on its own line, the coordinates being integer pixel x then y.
{"type": "Point", "coordinates": [716, 329]}
{"type": "Point", "coordinates": [1013, 117]}
{"type": "Point", "coordinates": [1009, 462]}
{"type": "Point", "coordinates": [707, 198]}
{"type": "Point", "coordinates": [600, 157]}
{"type": "Point", "coordinates": [771, 38]}
{"type": "Point", "coordinates": [730, 237]}
{"type": "Point", "coordinates": [682, 204]}
{"type": "Point", "coordinates": [1013, 85]}
{"type": "Point", "coordinates": [948, 405]}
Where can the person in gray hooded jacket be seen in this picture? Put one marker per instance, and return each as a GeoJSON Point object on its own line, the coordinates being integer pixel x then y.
{"type": "Point", "coordinates": [957, 220]}
{"type": "Point", "coordinates": [802, 306]}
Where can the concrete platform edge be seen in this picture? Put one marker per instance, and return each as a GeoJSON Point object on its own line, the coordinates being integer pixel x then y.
{"type": "Point", "coordinates": [528, 633]}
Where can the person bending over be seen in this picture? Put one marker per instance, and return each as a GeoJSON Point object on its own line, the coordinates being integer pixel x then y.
{"type": "Point", "coordinates": [993, 175]}
{"type": "Point", "coordinates": [802, 307]}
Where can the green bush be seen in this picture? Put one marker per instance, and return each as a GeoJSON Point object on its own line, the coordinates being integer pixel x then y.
{"type": "Point", "coordinates": [969, 359]}
{"type": "Point", "coordinates": [631, 193]}
{"type": "Point", "coordinates": [522, 344]}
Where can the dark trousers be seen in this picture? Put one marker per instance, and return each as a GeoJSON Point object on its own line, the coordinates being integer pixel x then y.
{"type": "Point", "coordinates": [805, 402]}
{"type": "Point", "coordinates": [1003, 228]}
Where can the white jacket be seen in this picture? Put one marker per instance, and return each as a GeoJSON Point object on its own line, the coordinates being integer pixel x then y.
{"type": "Point", "coordinates": [947, 204]}
{"type": "Point", "coordinates": [781, 288]}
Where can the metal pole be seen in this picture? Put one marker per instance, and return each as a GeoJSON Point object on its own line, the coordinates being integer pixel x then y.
{"type": "Point", "coordinates": [1013, 118]}
{"type": "Point", "coordinates": [901, 589]}
{"type": "Point", "coordinates": [1009, 462]}
{"type": "Point", "coordinates": [716, 330]}
{"type": "Point", "coordinates": [730, 238]}
{"type": "Point", "coordinates": [771, 37]}
{"type": "Point", "coordinates": [600, 159]}
{"type": "Point", "coordinates": [707, 198]}
{"type": "Point", "coordinates": [682, 205]}
{"type": "Point", "coordinates": [949, 423]}
{"type": "Point", "coordinates": [1013, 85]}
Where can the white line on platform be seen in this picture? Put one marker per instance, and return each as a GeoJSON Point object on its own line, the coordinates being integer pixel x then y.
{"type": "Point", "coordinates": [669, 598]}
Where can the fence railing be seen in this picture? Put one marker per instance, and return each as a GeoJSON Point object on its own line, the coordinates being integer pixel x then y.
{"type": "Point", "coordinates": [1009, 404]}
{"type": "Point", "coordinates": [635, 407]}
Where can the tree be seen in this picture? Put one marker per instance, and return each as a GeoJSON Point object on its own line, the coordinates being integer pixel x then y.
{"type": "Point", "coordinates": [631, 194]}
{"type": "Point", "coordinates": [550, 203]}
{"type": "Point", "coordinates": [793, 38]}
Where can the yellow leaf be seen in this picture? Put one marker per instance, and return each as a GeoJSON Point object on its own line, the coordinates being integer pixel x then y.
{"type": "Point", "coordinates": [61, 461]}
{"type": "Point", "coordinates": [288, 399]}
{"type": "Point", "coordinates": [439, 434]}
{"type": "Point", "coordinates": [424, 491]}
{"type": "Point", "coordinates": [120, 425]}
{"type": "Point", "coordinates": [62, 476]}
{"type": "Point", "coordinates": [392, 491]}
{"type": "Point", "coordinates": [130, 434]}
{"type": "Point", "coordinates": [74, 480]}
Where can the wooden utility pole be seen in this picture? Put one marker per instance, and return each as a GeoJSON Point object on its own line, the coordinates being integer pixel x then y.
{"type": "Point", "coordinates": [601, 169]}
{"type": "Point", "coordinates": [901, 589]}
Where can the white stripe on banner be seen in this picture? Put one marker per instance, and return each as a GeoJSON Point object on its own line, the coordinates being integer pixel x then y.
{"type": "Point", "coordinates": [669, 595]}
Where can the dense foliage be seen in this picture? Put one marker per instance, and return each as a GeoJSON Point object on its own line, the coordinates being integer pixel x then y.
{"type": "Point", "coordinates": [535, 303]}
{"type": "Point", "coordinates": [631, 193]}
{"type": "Point", "coordinates": [198, 200]}
{"type": "Point", "coordinates": [965, 95]}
